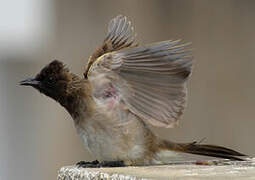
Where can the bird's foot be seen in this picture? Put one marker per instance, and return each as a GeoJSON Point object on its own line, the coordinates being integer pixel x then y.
{"type": "Point", "coordinates": [112, 164]}
{"type": "Point", "coordinates": [87, 164]}
{"type": "Point", "coordinates": [97, 164]}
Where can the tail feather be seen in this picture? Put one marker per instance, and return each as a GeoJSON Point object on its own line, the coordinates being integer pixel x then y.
{"type": "Point", "coordinates": [205, 149]}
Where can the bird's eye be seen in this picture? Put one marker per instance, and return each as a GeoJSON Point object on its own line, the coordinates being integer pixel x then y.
{"type": "Point", "coordinates": [51, 80]}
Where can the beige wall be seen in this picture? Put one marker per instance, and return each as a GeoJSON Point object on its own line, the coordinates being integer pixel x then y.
{"type": "Point", "coordinates": [37, 135]}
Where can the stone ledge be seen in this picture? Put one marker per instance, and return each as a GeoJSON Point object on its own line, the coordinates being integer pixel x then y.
{"type": "Point", "coordinates": [228, 170]}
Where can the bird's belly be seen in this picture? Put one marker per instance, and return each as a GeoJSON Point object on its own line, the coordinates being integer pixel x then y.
{"type": "Point", "coordinates": [100, 146]}
{"type": "Point", "coordinates": [105, 147]}
{"type": "Point", "coordinates": [110, 144]}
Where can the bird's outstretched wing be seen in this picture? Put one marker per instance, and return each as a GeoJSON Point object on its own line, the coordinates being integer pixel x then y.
{"type": "Point", "coordinates": [150, 81]}
{"type": "Point", "coordinates": [120, 35]}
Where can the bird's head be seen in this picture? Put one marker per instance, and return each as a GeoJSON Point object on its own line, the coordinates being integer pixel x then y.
{"type": "Point", "coordinates": [54, 80]}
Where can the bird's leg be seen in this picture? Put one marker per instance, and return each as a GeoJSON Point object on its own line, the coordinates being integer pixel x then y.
{"type": "Point", "coordinates": [97, 164]}
{"type": "Point", "coordinates": [87, 163]}
{"type": "Point", "coordinates": [112, 164]}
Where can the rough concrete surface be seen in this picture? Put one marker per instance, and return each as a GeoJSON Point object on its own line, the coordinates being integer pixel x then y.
{"type": "Point", "coordinates": [226, 170]}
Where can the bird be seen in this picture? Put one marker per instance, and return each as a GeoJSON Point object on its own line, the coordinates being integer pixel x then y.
{"type": "Point", "coordinates": [125, 89]}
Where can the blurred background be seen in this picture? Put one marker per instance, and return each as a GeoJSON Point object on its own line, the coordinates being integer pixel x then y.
{"type": "Point", "coordinates": [37, 135]}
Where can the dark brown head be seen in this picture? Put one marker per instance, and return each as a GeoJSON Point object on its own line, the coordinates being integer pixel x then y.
{"type": "Point", "coordinates": [54, 81]}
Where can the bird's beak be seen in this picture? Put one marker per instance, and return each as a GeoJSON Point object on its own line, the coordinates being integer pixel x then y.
{"type": "Point", "coordinates": [29, 82]}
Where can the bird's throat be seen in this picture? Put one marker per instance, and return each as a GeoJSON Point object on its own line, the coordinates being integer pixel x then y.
{"type": "Point", "coordinates": [77, 102]}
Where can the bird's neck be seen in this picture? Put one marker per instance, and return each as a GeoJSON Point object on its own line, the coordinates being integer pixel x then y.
{"type": "Point", "coordinates": [77, 101]}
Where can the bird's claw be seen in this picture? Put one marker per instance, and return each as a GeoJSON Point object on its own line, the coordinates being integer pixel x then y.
{"type": "Point", "coordinates": [87, 164]}
{"type": "Point", "coordinates": [97, 164]}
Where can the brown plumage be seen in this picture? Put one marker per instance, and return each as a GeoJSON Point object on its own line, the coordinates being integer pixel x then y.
{"type": "Point", "coordinates": [125, 88]}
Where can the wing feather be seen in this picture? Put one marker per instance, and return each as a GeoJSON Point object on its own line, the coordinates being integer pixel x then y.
{"type": "Point", "coordinates": [120, 35]}
{"type": "Point", "coordinates": [151, 80]}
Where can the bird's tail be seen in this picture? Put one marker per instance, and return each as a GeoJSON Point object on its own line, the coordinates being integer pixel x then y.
{"type": "Point", "coordinates": [204, 149]}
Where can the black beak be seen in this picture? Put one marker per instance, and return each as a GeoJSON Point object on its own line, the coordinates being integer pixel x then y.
{"type": "Point", "coordinates": [29, 82]}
